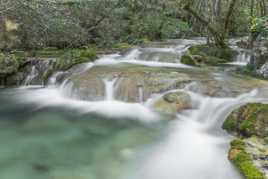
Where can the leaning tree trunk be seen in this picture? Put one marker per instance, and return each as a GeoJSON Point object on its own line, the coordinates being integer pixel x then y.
{"type": "Point", "coordinates": [218, 29]}
{"type": "Point", "coordinates": [218, 37]}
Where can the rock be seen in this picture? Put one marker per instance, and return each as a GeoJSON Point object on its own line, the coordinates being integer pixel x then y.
{"type": "Point", "coordinates": [242, 157]}
{"type": "Point", "coordinates": [249, 154]}
{"type": "Point", "coordinates": [132, 82]}
{"type": "Point", "coordinates": [172, 103]}
{"type": "Point", "coordinates": [249, 120]}
{"type": "Point", "coordinates": [32, 72]}
{"type": "Point", "coordinates": [263, 71]}
{"type": "Point", "coordinates": [199, 55]}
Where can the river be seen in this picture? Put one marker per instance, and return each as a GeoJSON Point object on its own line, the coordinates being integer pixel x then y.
{"type": "Point", "coordinates": [68, 131]}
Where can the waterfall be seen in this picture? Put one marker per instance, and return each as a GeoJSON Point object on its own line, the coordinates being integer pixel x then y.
{"type": "Point", "coordinates": [33, 73]}
{"type": "Point", "coordinates": [109, 88]}
{"type": "Point", "coordinates": [196, 147]}
{"type": "Point", "coordinates": [54, 78]}
{"type": "Point", "coordinates": [243, 58]}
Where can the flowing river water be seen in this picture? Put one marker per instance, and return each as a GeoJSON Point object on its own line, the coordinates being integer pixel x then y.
{"type": "Point", "coordinates": [61, 132]}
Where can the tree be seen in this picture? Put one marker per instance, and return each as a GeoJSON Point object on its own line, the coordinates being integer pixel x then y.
{"type": "Point", "coordinates": [218, 28]}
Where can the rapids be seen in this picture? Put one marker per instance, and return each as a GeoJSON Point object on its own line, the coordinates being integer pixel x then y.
{"type": "Point", "coordinates": [52, 132]}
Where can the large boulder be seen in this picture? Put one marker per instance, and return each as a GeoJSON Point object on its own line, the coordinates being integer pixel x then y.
{"type": "Point", "coordinates": [249, 120]}
{"type": "Point", "coordinates": [249, 152]}
{"type": "Point", "coordinates": [172, 103]}
{"type": "Point", "coordinates": [132, 83]}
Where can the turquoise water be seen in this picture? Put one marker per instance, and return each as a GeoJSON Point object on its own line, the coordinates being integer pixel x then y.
{"type": "Point", "coordinates": [59, 143]}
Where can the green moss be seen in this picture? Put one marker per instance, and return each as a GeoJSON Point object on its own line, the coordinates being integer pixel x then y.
{"type": "Point", "coordinates": [208, 55]}
{"type": "Point", "coordinates": [248, 120]}
{"type": "Point", "coordinates": [188, 60]}
{"type": "Point", "coordinates": [223, 53]}
{"type": "Point", "coordinates": [230, 124]}
{"type": "Point", "coordinates": [122, 46]}
{"type": "Point", "coordinates": [70, 58]}
{"type": "Point", "coordinates": [243, 160]}
{"type": "Point", "coordinates": [46, 53]}
{"type": "Point", "coordinates": [88, 54]}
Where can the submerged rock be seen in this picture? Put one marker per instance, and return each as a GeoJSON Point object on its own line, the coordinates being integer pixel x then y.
{"type": "Point", "coordinates": [172, 103]}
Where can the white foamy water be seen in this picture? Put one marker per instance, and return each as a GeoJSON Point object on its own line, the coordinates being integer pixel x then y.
{"type": "Point", "coordinates": [52, 97]}
{"type": "Point", "coordinates": [196, 147]}
{"type": "Point", "coordinates": [31, 76]}
{"type": "Point", "coordinates": [135, 57]}
{"type": "Point", "coordinates": [109, 88]}
{"type": "Point", "coordinates": [242, 59]}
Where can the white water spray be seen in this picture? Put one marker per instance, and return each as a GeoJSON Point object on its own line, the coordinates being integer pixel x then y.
{"type": "Point", "coordinates": [31, 76]}
{"type": "Point", "coordinates": [109, 88]}
{"type": "Point", "coordinates": [196, 147]}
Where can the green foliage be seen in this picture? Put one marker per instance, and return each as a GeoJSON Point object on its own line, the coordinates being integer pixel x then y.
{"type": "Point", "coordinates": [259, 25]}
{"type": "Point", "coordinates": [243, 160]}
{"type": "Point", "coordinates": [8, 64]}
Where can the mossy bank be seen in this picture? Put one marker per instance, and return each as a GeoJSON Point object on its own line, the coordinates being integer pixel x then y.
{"type": "Point", "coordinates": [249, 152]}
{"type": "Point", "coordinates": [199, 55]}
{"type": "Point", "coordinates": [15, 66]}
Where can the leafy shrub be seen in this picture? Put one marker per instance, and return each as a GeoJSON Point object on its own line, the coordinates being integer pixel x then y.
{"type": "Point", "coordinates": [8, 64]}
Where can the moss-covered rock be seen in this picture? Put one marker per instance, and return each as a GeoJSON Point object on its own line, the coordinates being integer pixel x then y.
{"type": "Point", "coordinates": [173, 102]}
{"type": "Point", "coordinates": [70, 58]}
{"type": "Point", "coordinates": [249, 120]}
{"type": "Point", "coordinates": [188, 60]}
{"type": "Point", "coordinates": [243, 160]}
{"type": "Point", "coordinates": [208, 55]}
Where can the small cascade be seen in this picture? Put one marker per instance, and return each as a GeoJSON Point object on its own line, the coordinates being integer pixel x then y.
{"type": "Point", "coordinates": [54, 78]}
{"type": "Point", "coordinates": [132, 55]}
{"type": "Point", "coordinates": [243, 58]}
{"type": "Point", "coordinates": [109, 88]}
{"type": "Point", "coordinates": [66, 88]}
{"type": "Point", "coordinates": [195, 141]}
{"type": "Point", "coordinates": [31, 76]}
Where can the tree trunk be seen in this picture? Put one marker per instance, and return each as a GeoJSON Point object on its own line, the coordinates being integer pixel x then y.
{"type": "Point", "coordinates": [3, 34]}
{"type": "Point", "coordinates": [218, 37]}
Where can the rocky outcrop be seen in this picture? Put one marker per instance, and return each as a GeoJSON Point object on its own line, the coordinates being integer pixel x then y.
{"type": "Point", "coordinates": [32, 72]}
{"type": "Point", "coordinates": [249, 165]}
{"type": "Point", "coordinates": [132, 82]}
{"type": "Point", "coordinates": [263, 71]}
{"type": "Point", "coordinates": [199, 55]}
{"type": "Point", "coordinates": [37, 70]}
{"type": "Point", "coordinates": [249, 120]}
{"type": "Point", "coordinates": [250, 152]}
{"type": "Point", "coordinates": [172, 103]}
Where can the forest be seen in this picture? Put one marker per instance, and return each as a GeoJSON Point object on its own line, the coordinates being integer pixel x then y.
{"type": "Point", "coordinates": [133, 89]}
